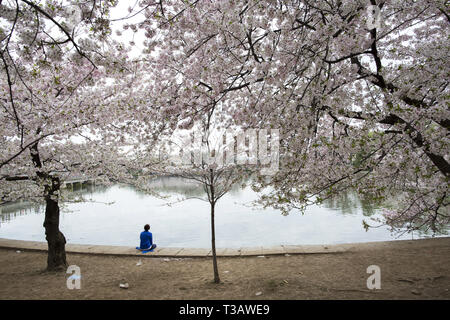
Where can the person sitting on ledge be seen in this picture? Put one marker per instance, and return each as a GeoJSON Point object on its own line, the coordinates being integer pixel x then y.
{"type": "Point", "coordinates": [147, 239]}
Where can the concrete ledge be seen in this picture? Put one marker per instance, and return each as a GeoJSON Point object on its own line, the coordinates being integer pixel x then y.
{"type": "Point", "coordinates": [175, 252]}
{"type": "Point", "coordinates": [273, 250]}
{"type": "Point", "coordinates": [226, 252]}
{"type": "Point", "coordinates": [193, 252]}
{"type": "Point", "coordinates": [310, 249]}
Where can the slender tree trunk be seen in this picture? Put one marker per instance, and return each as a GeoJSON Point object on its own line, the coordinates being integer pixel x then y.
{"type": "Point", "coordinates": [56, 259]}
{"type": "Point", "coordinates": [213, 245]}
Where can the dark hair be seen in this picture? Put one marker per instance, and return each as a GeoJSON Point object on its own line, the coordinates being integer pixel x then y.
{"type": "Point", "coordinates": [146, 227]}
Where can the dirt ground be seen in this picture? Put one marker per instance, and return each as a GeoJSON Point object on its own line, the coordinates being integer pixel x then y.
{"type": "Point", "coordinates": [418, 269]}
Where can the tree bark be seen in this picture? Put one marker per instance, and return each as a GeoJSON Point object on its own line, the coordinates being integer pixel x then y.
{"type": "Point", "coordinates": [56, 259]}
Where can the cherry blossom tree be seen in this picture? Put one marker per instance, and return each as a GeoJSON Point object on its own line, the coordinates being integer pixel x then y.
{"type": "Point", "coordinates": [207, 157]}
{"type": "Point", "coordinates": [359, 90]}
{"type": "Point", "coordinates": [66, 92]}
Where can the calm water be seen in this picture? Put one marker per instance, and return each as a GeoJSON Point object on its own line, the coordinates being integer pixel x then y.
{"type": "Point", "coordinates": [116, 216]}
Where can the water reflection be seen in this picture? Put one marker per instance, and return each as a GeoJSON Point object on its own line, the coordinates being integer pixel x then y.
{"type": "Point", "coordinates": [177, 185]}
{"type": "Point", "coordinates": [115, 216]}
{"type": "Point", "coordinates": [9, 212]}
{"type": "Point", "coordinates": [350, 203]}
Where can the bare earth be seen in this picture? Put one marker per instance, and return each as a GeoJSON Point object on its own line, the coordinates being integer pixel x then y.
{"type": "Point", "coordinates": [418, 269]}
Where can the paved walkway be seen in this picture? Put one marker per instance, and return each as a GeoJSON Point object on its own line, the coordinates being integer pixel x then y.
{"type": "Point", "coordinates": [178, 252]}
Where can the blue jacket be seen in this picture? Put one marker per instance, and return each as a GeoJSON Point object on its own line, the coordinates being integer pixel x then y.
{"type": "Point", "coordinates": [146, 239]}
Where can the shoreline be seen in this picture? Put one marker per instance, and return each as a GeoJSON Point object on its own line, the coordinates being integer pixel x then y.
{"type": "Point", "coordinates": [181, 252]}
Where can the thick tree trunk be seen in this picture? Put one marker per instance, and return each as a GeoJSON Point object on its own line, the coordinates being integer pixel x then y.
{"type": "Point", "coordinates": [56, 259]}
{"type": "Point", "coordinates": [213, 245]}
{"type": "Point", "coordinates": [56, 241]}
